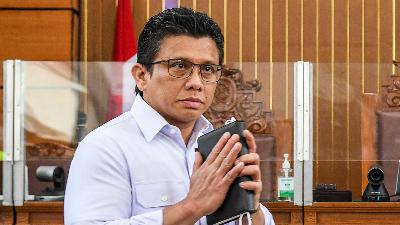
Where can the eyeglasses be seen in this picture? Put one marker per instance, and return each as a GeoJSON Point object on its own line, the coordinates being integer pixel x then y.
{"type": "Point", "coordinates": [181, 68]}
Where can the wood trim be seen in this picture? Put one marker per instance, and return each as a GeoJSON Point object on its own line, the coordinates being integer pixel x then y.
{"type": "Point", "coordinates": [31, 4]}
{"type": "Point", "coordinates": [283, 213]}
{"type": "Point", "coordinates": [6, 215]}
{"type": "Point", "coordinates": [369, 104]}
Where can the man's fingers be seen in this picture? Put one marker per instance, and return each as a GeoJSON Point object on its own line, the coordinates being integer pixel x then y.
{"type": "Point", "coordinates": [218, 148]}
{"type": "Point", "coordinates": [255, 186]}
{"type": "Point", "coordinates": [225, 152]}
{"type": "Point", "coordinates": [251, 143]}
{"type": "Point", "coordinates": [198, 160]}
{"type": "Point", "coordinates": [229, 161]}
{"type": "Point", "coordinates": [232, 174]}
{"type": "Point", "coordinates": [251, 158]}
{"type": "Point", "coordinates": [253, 171]}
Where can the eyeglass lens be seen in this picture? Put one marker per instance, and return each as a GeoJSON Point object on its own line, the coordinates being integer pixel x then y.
{"type": "Point", "coordinates": [182, 68]}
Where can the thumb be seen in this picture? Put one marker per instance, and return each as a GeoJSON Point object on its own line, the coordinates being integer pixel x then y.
{"type": "Point", "coordinates": [198, 160]}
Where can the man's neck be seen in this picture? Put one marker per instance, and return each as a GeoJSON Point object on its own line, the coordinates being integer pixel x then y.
{"type": "Point", "coordinates": [186, 131]}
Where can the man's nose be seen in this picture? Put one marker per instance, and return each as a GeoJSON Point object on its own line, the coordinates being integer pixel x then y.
{"type": "Point", "coordinates": [194, 80]}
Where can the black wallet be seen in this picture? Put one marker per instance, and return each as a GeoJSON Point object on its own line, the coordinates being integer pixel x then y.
{"type": "Point", "coordinates": [238, 201]}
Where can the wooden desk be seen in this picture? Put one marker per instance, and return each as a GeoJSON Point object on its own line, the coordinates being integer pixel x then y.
{"type": "Point", "coordinates": [284, 213]}
{"type": "Point", "coordinates": [6, 214]}
{"type": "Point", "coordinates": [337, 213]}
{"type": "Point", "coordinates": [40, 213]}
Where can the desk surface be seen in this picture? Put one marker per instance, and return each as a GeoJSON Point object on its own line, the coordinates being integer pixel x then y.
{"type": "Point", "coordinates": [284, 213]}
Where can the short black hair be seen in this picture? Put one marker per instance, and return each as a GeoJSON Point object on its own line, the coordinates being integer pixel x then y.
{"type": "Point", "coordinates": [174, 22]}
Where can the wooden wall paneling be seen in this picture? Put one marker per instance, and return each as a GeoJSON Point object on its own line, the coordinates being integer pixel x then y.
{"type": "Point", "coordinates": [370, 46]}
{"type": "Point", "coordinates": [315, 90]}
{"type": "Point", "coordinates": [294, 42]}
{"type": "Point", "coordinates": [31, 31]}
{"type": "Point", "coordinates": [94, 28]}
{"type": "Point", "coordinates": [202, 6]}
{"type": "Point", "coordinates": [355, 91]}
{"type": "Point", "coordinates": [108, 28]}
{"type": "Point", "coordinates": [246, 38]}
{"type": "Point", "coordinates": [323, 150]}
{"type": "Point", "coordinates": [309, 30]}
{"type": "Point", "coordinates": [75, 38]}
{"type": "Point", "coordinates": [385, 43]}
{"type": "Point", "coordinates": [232, 37]}
{"type": "Point", "coordinates": [278, 76]}
{"type": "Point", "coordinates": [217, 13]}
{"type": "Point", "coordinates": [263, 51]}
{"type": "Point", "coordinates": [187, 3]}
{"type": "Point", "coordinates": [340, 130]}
{"type": "Point", "coordinates": [139, 15]}
{"type": "Point", "coordinates": [293, 51]}
{"type": "Point", "coordinates": [155, 6]}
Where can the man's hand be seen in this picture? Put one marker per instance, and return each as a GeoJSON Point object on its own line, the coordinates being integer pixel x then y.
{"type": "Point", "coordinates": [252, 168]}
{"type": "Point", "coordinates": [209, 183]}
{"type": "Point", "coordinates": [210, 180]}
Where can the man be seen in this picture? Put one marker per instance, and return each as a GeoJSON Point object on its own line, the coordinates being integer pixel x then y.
{"type": "Point", "coordinates": [141, 168]}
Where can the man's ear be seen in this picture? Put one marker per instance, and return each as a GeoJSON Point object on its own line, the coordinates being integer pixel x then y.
{"type": "Point", "coordinates": [141, 75]}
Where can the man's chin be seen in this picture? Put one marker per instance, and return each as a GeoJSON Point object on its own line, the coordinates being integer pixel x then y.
{"type": "Point", "coordinates": [191, 115]}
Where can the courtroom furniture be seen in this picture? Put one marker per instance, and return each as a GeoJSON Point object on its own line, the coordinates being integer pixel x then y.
{"type": "Point", "coordinates": [322, 213]}
{"type": "Point", "coordinates": [46, 154]}
{"type": "Point", "coordinates": [6, 214]}
{"type": "Point", "coordinates": [39, 213]}
{"type": "Point", "coordinates": [380, 122]}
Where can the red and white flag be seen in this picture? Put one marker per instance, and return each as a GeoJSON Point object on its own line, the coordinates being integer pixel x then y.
{"type": "Point", "coordinates": [125, 49]}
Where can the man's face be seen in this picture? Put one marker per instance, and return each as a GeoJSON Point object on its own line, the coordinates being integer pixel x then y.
{"type": "Point", "coordinates": [181, 101]}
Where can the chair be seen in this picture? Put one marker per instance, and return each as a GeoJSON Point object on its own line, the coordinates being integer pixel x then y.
{"type": "Point", "coordinates": [380, 136]}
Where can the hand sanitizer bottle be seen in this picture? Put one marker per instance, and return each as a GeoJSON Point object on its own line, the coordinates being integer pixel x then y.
{"type": "Point", "coordinates": [286, 181]}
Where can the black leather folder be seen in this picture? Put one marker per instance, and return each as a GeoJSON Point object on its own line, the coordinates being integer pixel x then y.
{"type": "Point", "coordinates": [238, 201]}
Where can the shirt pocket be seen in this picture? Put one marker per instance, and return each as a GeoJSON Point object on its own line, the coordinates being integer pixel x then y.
{"type": "Point", "coordinates": [161, 193]}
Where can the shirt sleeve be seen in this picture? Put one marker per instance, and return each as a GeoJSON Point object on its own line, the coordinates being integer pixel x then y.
{"type": "Point", "coordinates": [99, 189]}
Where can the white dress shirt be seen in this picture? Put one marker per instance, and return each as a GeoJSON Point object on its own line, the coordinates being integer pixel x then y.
{"type": "Point", "coordinates": [129, 169]}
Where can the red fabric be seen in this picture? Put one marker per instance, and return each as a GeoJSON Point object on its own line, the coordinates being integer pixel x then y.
{"type": "Point", "coordinates": [124, 40]}
{"type": "Point", "coordinates": [125, 47]}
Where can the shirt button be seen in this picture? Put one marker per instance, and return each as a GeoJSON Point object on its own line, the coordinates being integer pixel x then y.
{"type": "Point", "coordinates": [164, 198]}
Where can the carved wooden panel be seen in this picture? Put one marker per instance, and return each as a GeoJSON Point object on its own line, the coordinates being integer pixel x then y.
{"type": "Point", "coordinates": [391, 94]}
{"type": "Point", "coordinates": [49, 150]}
{"type": "Point", "coordinates": [235, 97]}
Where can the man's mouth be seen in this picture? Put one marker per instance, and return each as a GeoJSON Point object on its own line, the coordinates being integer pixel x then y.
{"type": "Point", "coordinates": [192, 102]}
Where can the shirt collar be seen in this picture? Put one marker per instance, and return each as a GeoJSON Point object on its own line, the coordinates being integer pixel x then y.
{"type": "Point", "coordinates": [150, 122]}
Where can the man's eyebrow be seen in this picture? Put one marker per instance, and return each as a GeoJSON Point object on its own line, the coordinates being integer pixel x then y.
{"type": "Point", "coordinates": [186, 59]}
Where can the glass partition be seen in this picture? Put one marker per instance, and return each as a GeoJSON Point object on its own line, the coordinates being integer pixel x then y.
{"type": "Point", "coordinates": [52, 106]}
{"type": "Point", "coordinates": [271, 88]}
{"type": "Point", "coordinates": [62, 101]}
{"type": "Point", "coordinates": [356, 139]}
